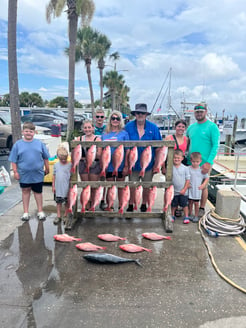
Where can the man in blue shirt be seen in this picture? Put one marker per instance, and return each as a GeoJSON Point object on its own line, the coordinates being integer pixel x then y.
{"type": "Point", "coordinates": [142, 129]}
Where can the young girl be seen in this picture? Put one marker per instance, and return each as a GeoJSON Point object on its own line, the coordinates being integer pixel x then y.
{"type": "Point", "coordinates": [60, 181]}
{"type": "Point", "coordinates": [95, 168]}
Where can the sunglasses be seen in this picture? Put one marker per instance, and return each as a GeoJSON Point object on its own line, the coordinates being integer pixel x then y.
{"type": "Point", "coordinates": [98, 116]}
{"type": "Point", "coordinates": [113, 118]}
{"type": "Point", "coordinates": [138, 113]}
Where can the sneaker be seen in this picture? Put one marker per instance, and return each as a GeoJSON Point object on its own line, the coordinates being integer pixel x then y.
{"type": "Point", "coordinates": [130, 208]}
{"type": "Point", "coordinates": [41, 216]}
{"type": "Point", "coordinates": [103, 205]}
{"type": "Point", "coordinates": [201, 212]}
{"type": "Point", "coordinates": [57, 220]}
{"type": "Point", "coordinates": [186, 220]}
{"type": "Point", "coordinates": [173, 218]}
{"type": "Point", "coordinates": [143, 208]}
{"type": "Point", "coordinates": [25, 217]}
{"type": "Point", "coordinates": [195, 219]}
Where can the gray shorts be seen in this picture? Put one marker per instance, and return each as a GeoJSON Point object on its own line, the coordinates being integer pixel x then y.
{"type": "Point", "coordinates": [135, 176]}
{"type": "Point", "coordinates": [94, 169]}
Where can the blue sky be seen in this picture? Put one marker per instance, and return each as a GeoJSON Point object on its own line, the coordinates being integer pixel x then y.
{"type": "Point", "coordinates": [203, 43]}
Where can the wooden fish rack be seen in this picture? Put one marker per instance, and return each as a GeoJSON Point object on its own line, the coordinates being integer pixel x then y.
{"type": "Point", "coordinates": [166, 217]}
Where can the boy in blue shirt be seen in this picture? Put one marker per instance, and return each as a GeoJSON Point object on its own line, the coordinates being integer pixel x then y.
{"type": "Point", "coordinates": [29, 156]}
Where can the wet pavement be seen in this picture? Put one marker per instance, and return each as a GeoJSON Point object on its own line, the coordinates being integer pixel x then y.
{"type": "Point", "coordinates": [45, 283]}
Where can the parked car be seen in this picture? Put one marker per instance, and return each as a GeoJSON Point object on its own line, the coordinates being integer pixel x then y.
{"type": "Point", "coordinates": [45, 120]}
{"type": "Point", "coordinates": [6, 139]}
{"type": "Point", "coordinates": [78, 119]}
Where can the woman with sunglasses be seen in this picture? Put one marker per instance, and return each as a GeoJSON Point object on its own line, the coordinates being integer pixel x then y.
{"type": "Point", "coordinates": [115, 132]}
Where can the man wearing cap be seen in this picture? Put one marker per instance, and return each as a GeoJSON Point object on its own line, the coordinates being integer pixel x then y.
{"type": "Point", "coordinates": [142, 129]}
{"type": "Point", "coordinates": [204, 137]}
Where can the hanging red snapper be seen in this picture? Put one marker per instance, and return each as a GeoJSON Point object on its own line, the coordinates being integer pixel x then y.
{"type": "Point", "coordinates": [105, 160]}
{"type": "Point", "coordinates": [111, 196]}
{"type": "Point", "coordinates": [98, 197]}
{"type": "Point", "coordinates": [125, 198]}
{"type": "Point", "coordinates": [138, 195]}
{"type": "Point", "coordinates": [89, 247]}
{"type": "Point", "coordinates": [72, 197]}
{"type": "Point", "coordinates": [76, 156]}
{"type": "Point", "coordinates": [117, 159]}
{"type": "Point", "coordinates": [132, 248]}
{"type": "Point", "coordinates": [66, 238]}
{"type": "Point", "coordinates": [168, 197]}
{"type": "Point", "coordinates": [90, 157]}
{"type": "Point", "coordinates": [85, 197]}
{"type": "Point", "coordinates": [151, 198]}
{"type": "Point", "coordinates": [155, 236]}
{"type": "Point", "coordinates": [161, 156]}
{"type": "Point", "coordinates": [110, 237]}
{"type": "Point", "coordinates": [132, 159]}
{"type": "Point", "coordinates": [145, 159]}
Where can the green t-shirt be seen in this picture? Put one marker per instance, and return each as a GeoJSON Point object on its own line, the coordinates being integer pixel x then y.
{"type": "Point", "coordinates": [205, 139]}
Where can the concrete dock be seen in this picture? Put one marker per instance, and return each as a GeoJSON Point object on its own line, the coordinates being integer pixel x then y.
{"type": "Point", "coordinates": [45, 283]}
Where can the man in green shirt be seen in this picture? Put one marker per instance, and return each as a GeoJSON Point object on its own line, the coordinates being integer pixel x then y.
{"type": "Point", "coordinates": [204, 137]}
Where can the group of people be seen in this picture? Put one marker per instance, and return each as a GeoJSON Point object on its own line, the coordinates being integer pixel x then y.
{"type": "Point", "coordinates": [29, 157]}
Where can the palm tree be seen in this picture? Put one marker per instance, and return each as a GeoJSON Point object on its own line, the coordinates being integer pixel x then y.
{"type": "Point", "coordinates": [13, 74]}
{"type": "Point", "coordinates": [86, 50]}
{"type": "Point", "coordinates": [103, 46]}
{"type": "Point", "coordinates": [75, 9]}
{"type": "Point", "coordinates": [115, 56]}
{"type": "Point", "coordinates": [114, 82]}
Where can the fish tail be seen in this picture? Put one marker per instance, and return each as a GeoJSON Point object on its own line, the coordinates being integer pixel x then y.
{"type": "Point", "coordinates": [148, 209]}
{"type": "Point", "coordinates": [135, 208]}
{"type": "Point", "coordinates": [83, 210]}
{"type": "Point", "coordinates": [70, 210]}
{"type": "Point", "coordinates": [137, 261]}
{"type": "Point", "coordinates": [87, 170]}
{"type": "Point", "coordinates": [103, 174]}
{"type": "Point", "coordinates": [141, 174]}
{"type": "Point", "coordinates": [121, 210]}
{"type": "Point", "coordinates": [130, 171]}
{"type": "Point", "coordinates": [115, 173]}
{"type": "Point", "coordinates": [92, 209]}
{"type": "Point", "coordinates": [73, 169]}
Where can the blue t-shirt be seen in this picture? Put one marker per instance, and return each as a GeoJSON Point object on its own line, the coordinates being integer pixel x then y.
{"type": "Point", "coordinates": [29, 157]}
{"type": "Point", "coordinates": [151, 133]}
{"type": "Point", "coordinates": [115, 136]}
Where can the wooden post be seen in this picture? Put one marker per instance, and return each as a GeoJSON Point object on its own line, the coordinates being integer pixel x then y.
{"type": "Point", "coordinates": [234, 134]}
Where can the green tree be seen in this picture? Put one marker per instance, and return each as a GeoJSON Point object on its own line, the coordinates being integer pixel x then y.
{"type": "Point", "coordinates": [76, 9]}
{"type": "Point", "coordinates": [31, 99]}
{"type": "Point", "coordinates": [115, 56]}
{"type": "Point", "coordinates": [13, 74]}
{"type": "Point", "coordinates": [86, 50]}
{"type": "Point", "coordinates": [58, 102]}
{"type": "Point", "coordinates": [5, 100]}
{"type": "Point", "coordinates": [103, 46]}
{"type": "Point", "coordinates": [114, 82]}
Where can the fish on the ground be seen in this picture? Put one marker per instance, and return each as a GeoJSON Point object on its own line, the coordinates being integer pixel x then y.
{"type": "Point", "coordinates": [145, 159]}
{"type": "Point", "coordinates": [76, 156]}
{"type": "Point", "coordinates": [66, 238]}
{"type": "Point", "coordinates": [90, 157]}
{"type": "Point", "coordinates": [117, 159]}
{"type": "Point", "coordinates": [151, 198]}
{"type": "Point", "coordinates": [72, 198]}
{"type": "Point", "coordinates": [89, 247]}
{"type": "Point", "coordinates": [155, 236]}
{"type": "Point", "coordinates": [138, 195]}
{"type": "Point", "coordinates": [110, 237]}
{"type": "Point", "coordinates": [105, 160]}
{"type": "Point", "coordinates": [111, 196]}
{"type": "Point", "coordinates": [125, 198]}
{"type": "Point", "coordinates": [161, 156]}
{"type": "Point", "coordinates": [105, 258]}
{"type": "Point", "coordinates": [132, 248]}
{"type": "Point", "coordinates": [98, 197]}
{"type": "Point", "coordinates": [85, 197]}
{"type": "Point", "coordinates": [168, 197]}
{"type": "Point", "coordinates": [132, 158]}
